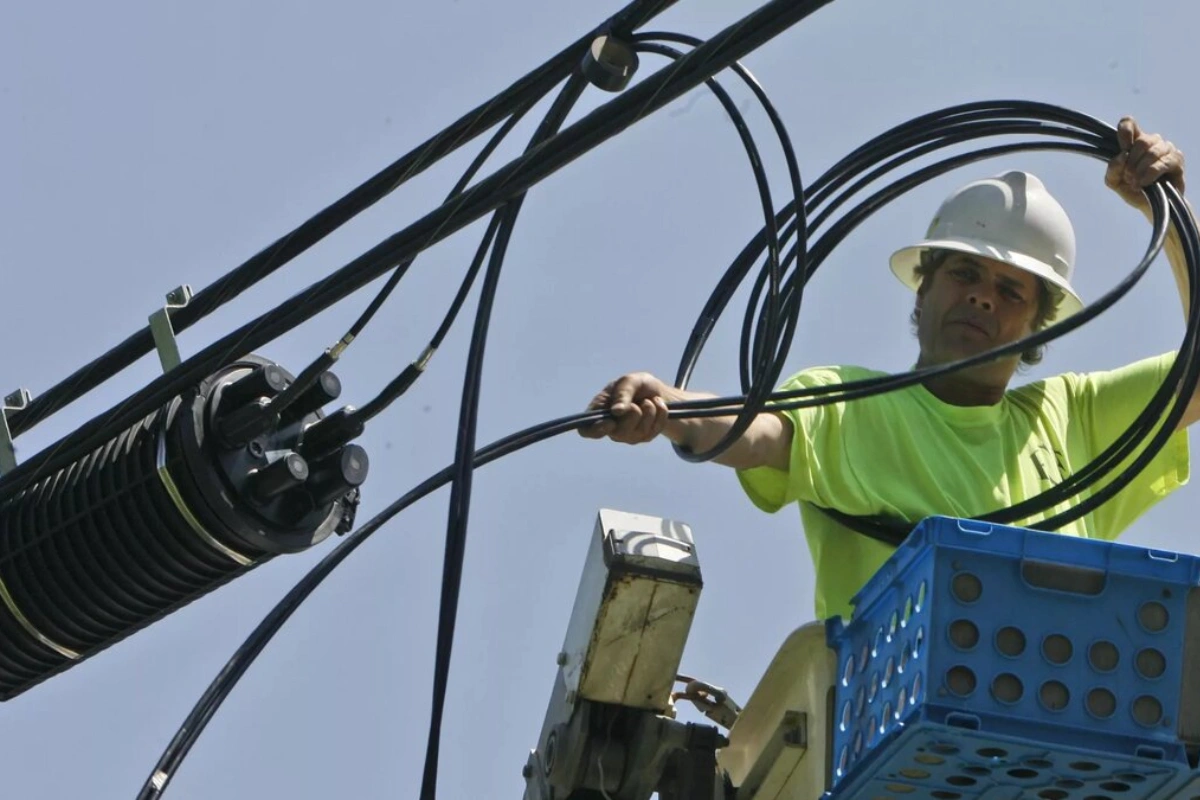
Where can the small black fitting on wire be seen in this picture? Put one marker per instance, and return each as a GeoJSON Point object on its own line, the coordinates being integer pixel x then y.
{"type": "Point", "coordinates": [609, 63]}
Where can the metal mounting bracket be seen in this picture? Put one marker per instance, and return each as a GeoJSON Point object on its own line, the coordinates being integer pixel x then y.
{"type": "Point", "coordinates": [8, 453]}
{"type": "Point", "coordinates": [161, 330]}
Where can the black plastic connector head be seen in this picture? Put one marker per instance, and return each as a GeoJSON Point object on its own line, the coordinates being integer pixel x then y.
{"type": "Point", "coordinates": [609, 63]}
{"type": "Point", "coordinates": [325, 389]}
{"type": "Point", "coordinates": [328, 434]}
{"type": "Point", "coordinates": [238, 426]}
{"type": "Point", "coordinates": [337, 474]}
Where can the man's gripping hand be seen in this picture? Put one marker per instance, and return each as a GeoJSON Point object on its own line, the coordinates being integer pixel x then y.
{"type": "Point", "coordinates": [638, 405]}
{"type": "Point", "coordinates": [1143, 160]}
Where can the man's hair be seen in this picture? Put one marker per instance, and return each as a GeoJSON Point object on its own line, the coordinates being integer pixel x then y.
{"type": "Point", "coordinates": [1049, 296]}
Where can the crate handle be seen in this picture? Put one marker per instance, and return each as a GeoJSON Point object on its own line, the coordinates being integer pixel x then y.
{"type": "Point", "coordinates": [958, 719]}
{"type": "Point", "coordinates": [1063, 577]}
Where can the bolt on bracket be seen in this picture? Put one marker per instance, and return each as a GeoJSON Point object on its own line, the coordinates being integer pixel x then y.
{"type": "Point", "coordinates": [161, 330]}
{"type": "Point", "coordinates": [8, 452]}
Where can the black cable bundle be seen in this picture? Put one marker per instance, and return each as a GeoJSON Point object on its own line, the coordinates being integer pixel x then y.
{"type": "Point", "coordinates": [769, 323]}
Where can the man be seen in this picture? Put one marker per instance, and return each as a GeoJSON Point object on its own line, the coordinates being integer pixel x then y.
{"type": "Point", "coordinates": [995, 266]}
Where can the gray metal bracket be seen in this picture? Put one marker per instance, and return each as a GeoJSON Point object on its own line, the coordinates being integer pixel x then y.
{"type": "Point", "coordinates": [161, 330]}
{"type": "Point", "coordinates": [8, 452]}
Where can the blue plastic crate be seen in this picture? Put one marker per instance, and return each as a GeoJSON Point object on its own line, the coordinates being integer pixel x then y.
{"type": "Point", "coordinates": [1024, 635]}
{"type": "Point", "coordinates": [936, 762]}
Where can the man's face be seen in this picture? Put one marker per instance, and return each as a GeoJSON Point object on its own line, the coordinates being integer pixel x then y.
{"type": "Point", "coordinates": [972, 304]}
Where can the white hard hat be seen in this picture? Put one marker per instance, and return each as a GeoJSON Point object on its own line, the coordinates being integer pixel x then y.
{"type": "Point", "coordinates": [1009, 218]}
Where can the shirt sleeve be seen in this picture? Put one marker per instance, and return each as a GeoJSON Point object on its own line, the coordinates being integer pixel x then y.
{"type": "Point", "coordinates": [1102, 406]}
{"type": "Point", "coordinates": [819, 470]}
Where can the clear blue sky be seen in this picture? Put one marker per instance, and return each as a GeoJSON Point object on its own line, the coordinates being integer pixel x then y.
{"type": "Point", "coordinates": [151, 144]}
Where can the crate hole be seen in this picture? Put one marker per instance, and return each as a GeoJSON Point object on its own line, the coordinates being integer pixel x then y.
{"type": "Point", "coordinates": [918, 642]}
{"type": "Point", "coordinates": [843, 760]}
{"type": "Point", "coordinates": [1083, 766]}
{"type": "Point", "coordinates": [884, 717]}
{"type": "Point", "coordinates": [860, 701]}
{"type": "Point", "coordinates": [864, 656]}
{"type": "Point", "coordinates": [908, 610]}
{"type": "Point", "coordinates": [1115, 786]}
{"type": "Point", "coordinates": [889, 671]}
{"type": "Point", "coordinates": [1069, 783]}
{"type": "Point", "coordinates": [963, 634]}
{"type": "Point", "coordinates": [942, 794]}
{"type": "Point", "coordinates": [1023, 773]}
{"type": "Point", "coordinates": [893, 626]}
{"type": "Point", "coordinates": [871, 731]}
{"type": "Point", "coordinates": [960, 681]}
{"type": "Point", "coordinates": [903, 660]}
{"type": "Point", "coordinates": [858, 743]}
{"type": "Point", "coordinates": [899, 788]}
{"type": "Point", "coordinates": [912, 773]}
{"type": "Point", "coordinates": [921, 590]}
{"type": "Point", "coordinates": [848, 672]}
{"type": "Point", "coordinates": [1101, 703]}
{"type": "Point", "coordinates": [926, 758]}
{"type": "Point", "coordinates": [975, 769]}
{"type": "Point", "coordinates": [915, 697]}
{"type": "Point", "coordinates": [961, 780]}
{"type": "Point", "coordinates": [1007, 688]}
{"type": "Point", "coordinates": [1150, 663]}
{"type": "Point", "coordinates": [1147, 710]}
{"type": "Point", "coordinates": [1097, 797]}
{"type": "Point", "coordinates": [874, 687]}
{"type": "Point", "coordinates": [847, 712]}
{"type": "Point", "coordinates": [1010, 641]}
{"type": "Point", "coordinates": [966, 587]}
{"type": "Point", "coordinates": [1057, 649]}
{"type": "Point", "coordinates": [900, 700]}
{"type": "Point", "coordinates": [1053, 794]}
{"type": "Point", "coordinates": [1054, 695]}
{"type": "Point", "coordinates": [1038, 763]}
{"type": "Point", "coordinates": [944, 748]}
{"type": "Point", "coordinates": [1103, 656]}
{"type": "Point", "coordinates": [992, 752]}
{"type": "Point", "coordinates": [1153, 616]}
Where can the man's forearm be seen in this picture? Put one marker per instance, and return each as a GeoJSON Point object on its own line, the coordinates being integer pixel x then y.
{"type": "Point", "coordinates": [1175, 256]}
{"type": "Point", "coordinates": [767, 442]}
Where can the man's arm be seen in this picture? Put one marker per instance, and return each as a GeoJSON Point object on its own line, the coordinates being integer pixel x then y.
{"type": "Point", "coordinates": [1144, 159]}
{"type": "Point", "coordinates": [638, 403]}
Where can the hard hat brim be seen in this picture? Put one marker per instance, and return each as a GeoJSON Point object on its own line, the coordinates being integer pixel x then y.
{"type": "Point", "coordinates": [904, 263]}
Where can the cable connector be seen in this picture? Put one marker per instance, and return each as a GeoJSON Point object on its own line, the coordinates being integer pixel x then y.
{"type": "Point", "coordinates": [330, 433]}
{"type": "Point", "coordinates": [609, 63]}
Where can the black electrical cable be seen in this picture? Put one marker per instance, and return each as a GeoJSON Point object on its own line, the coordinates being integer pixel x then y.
{"type": "Point", "coordinates": [771, 273]}
{"type": "Point", "coordinates": [401, 383]}
{"type": "Point", "coordinates": [460, 487]}
{"type": "Point", "coordinates": [323, 362]}
{"type": "Point", "coordinates": [536, 83]}
{"type": "Point", "coordinates": [653, 93]}
{"type": "Point", "coordinates": [846, 391]}
{"type": "Point", "coordinates": [1066, 492]}
{"type": "Point", "coordinates": [769, 322]}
